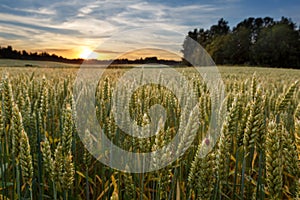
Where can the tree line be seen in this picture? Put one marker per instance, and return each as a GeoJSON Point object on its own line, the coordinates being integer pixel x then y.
{"type": "Point", "coordinates": [9, 53]}
{"type": "Point", "coordinates": [253, 41]}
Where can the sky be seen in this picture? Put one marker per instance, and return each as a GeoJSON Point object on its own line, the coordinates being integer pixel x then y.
{"type": "Point", "coordinates": [108, 29]}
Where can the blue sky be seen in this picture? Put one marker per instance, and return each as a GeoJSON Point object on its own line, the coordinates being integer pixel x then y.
{"type": "Point", "coordinates": [110, 27]}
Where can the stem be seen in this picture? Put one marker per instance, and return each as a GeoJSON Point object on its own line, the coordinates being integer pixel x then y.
{"type": "Point", "coordinates": [2, 171]}
{"type": "Point", "coordinates": [235, 174]}
{"type": "Point", "coordinates": [142, 180]}
{"type": "Point", "coordinates": [258, 186]}
{"type": "Point", "coordinates": [87, 183]}
{"type": "Point", "coordinates": [173, 183]}
{"type": "Point", "coordinates": [65, 195]}
{"type": "Point", "coordinates": [54, 191]}
{"type": "Point", "coordinates": [39, 158]}
{"type": "Point", "coordinates": [5, 152]}
{"type": "Point", "coordinates": [30, 190]}
{"type": "Point", "coordinates": [74, 139]}
{"type": "Point", "coordinates": [18, 182]}
{"type": "Point", "coordinates": [243, 177]}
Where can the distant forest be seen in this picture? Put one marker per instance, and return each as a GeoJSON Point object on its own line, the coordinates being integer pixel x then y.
{"type": "Point", "coordinates": [254, 41]}
{"type": "Point", "coordinates": [9, 53]}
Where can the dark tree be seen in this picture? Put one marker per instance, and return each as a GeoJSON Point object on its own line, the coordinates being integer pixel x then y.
{"type": "Point", "coordinates": [277, 46]}
{"type": "Point", "coordinates": [221, 28]}
{"type": "Point", "coordinates": [254, 41]}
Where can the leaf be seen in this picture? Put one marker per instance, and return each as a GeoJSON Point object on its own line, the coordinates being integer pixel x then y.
{"type": "Point", "coordinates": [4, 167]}
{"type": "Point", "coordinates": [7, 184]}
{"type": "Point", "coordinates": [82, 175]}
{"type": "Point", "coordinates": [178, 191]}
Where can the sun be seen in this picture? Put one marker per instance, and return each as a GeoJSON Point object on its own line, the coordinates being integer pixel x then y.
{"type": "Point", "coordinates": [87, 53]}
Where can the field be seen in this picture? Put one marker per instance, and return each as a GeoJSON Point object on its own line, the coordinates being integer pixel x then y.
{"type": "Point", "coordinates": [255, 156]}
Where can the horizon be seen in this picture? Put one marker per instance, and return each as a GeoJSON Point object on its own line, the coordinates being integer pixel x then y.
{"type": "Point", "coordinates": [92, 29]}
{"type": "Point", "coordinates": [130, 56]}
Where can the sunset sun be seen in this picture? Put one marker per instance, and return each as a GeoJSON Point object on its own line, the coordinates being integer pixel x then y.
{"type": "Point", "coordinates": [87, 53]}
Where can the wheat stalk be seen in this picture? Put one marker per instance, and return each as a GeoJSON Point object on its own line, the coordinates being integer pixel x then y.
{"type": "Point", "coordinates": [274, 166]}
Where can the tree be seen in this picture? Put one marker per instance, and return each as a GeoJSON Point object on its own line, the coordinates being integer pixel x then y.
{"type": "Point", "coordinates": [221, 28]}
{"type": "Point", "coordinates": [239, 46]}
{"type": "Point", "coordinates": [268, 21]}
{"type": "Point", "coordinates": [254, 41]}
{"type": "Point", "coordinates": [278, 46]}
{"type": "Point", "coordinates": [191, 50]}
{"type": "Point", "coordinates": [254, 25]}
{"type": "Point", "coordinates": [203, 37]}
{"type": "Point", "coordinates": [9, 53]}
{"type": "Point", "coordinates": [218, 49]}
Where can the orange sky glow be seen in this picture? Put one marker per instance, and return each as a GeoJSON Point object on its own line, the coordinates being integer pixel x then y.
{"type": "Point", "coordinates": [86, 52]}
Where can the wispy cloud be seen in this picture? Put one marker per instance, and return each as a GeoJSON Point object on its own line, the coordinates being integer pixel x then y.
{"type": "Point", "coordinates": [71, 23]}
{"type": "Point", "coordinates": [107, 51]}
{"type": "Point", "coordinates": [51, 50]}
{"type": "Point", "coordinates": [40, 11]}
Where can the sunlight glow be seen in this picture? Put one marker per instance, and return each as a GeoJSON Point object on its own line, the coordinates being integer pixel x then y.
{"type": "Point", "coordinates": [87, 53]}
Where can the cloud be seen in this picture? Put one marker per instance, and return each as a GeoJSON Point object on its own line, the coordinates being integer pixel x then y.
{"type": "Point", "coordinates": [145, 13]}
{"type": "Point", "coordinates": [51, 50]}
{"type": "Point", "coordinates": [106, 51]}
{"type": "Point", "coordinates": [40, 11]}
{"type": "Point", "coordinates": [151, 52]}
{"type": "Point", "coordinates": [74, 23]}
{"type": "Point", "coordinates": [108, 26]}
{"type": "Point", "coordinates": [41, 28]}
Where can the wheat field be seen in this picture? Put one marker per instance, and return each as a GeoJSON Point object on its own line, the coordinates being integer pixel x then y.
{"type": "Point", "coordinates": [255, 157]}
